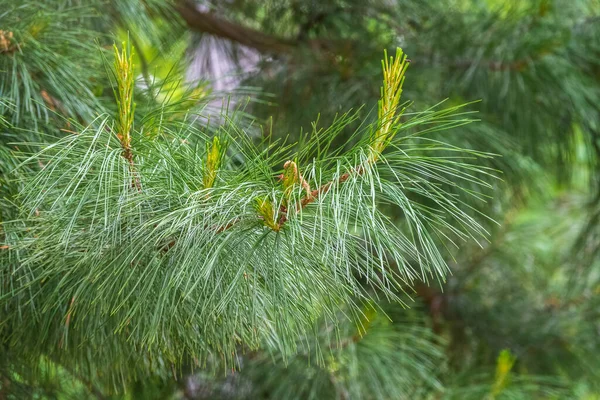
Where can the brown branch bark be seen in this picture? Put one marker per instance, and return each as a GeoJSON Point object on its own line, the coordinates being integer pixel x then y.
{"type": "Point", "coordinates": [210, 23]}
{"type": "Point", "coordinates": [207, 22]}
{"type": "Point", "coordinates": [515, 65]}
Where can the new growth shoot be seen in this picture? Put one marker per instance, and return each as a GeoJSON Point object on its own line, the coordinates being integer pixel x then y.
{"type": "Point", "coordinates": [215, 152]}
{"type": "Point", "coordinates": [124, 97]}
{"type": "Point", "coordinates": [394, 69]}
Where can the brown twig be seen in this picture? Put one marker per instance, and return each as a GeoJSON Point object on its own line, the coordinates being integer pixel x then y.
{"type": "Point", "coordinates": [323, 189]}
{"type": "Point", "coordinates": [309, 198]}
{"type": "Point", "coordinates": [69, 312]}
{"type": "Point", "coordinates": [128, 155]}
{"type": "Point", "coordinates": [67, 320]}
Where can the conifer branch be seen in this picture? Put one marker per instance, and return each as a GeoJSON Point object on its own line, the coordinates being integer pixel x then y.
{"type": "Point", "coordinates": [174, 246]}
{"type": "Point", "coordinates": [394, 69]}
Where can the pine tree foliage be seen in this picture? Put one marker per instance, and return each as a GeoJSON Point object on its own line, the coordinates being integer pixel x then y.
{"type": "Point", "coordinates": [48, 59]}
{"type": "Point", "coordinates": [221, 252]}
{"type": "Point", "coordinates": [150, 236]}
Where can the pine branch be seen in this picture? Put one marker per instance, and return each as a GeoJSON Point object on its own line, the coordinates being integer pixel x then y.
{"type": "Point", "coordinates": [388, 124]}
{"type": "Point", "coordinates": [314, 195]}
{"type": "Point", "coordinates": [197, 245]}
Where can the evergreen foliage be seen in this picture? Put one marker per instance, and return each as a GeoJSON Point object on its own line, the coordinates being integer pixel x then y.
{"type": "Point", "coordinates": [162, 239]}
